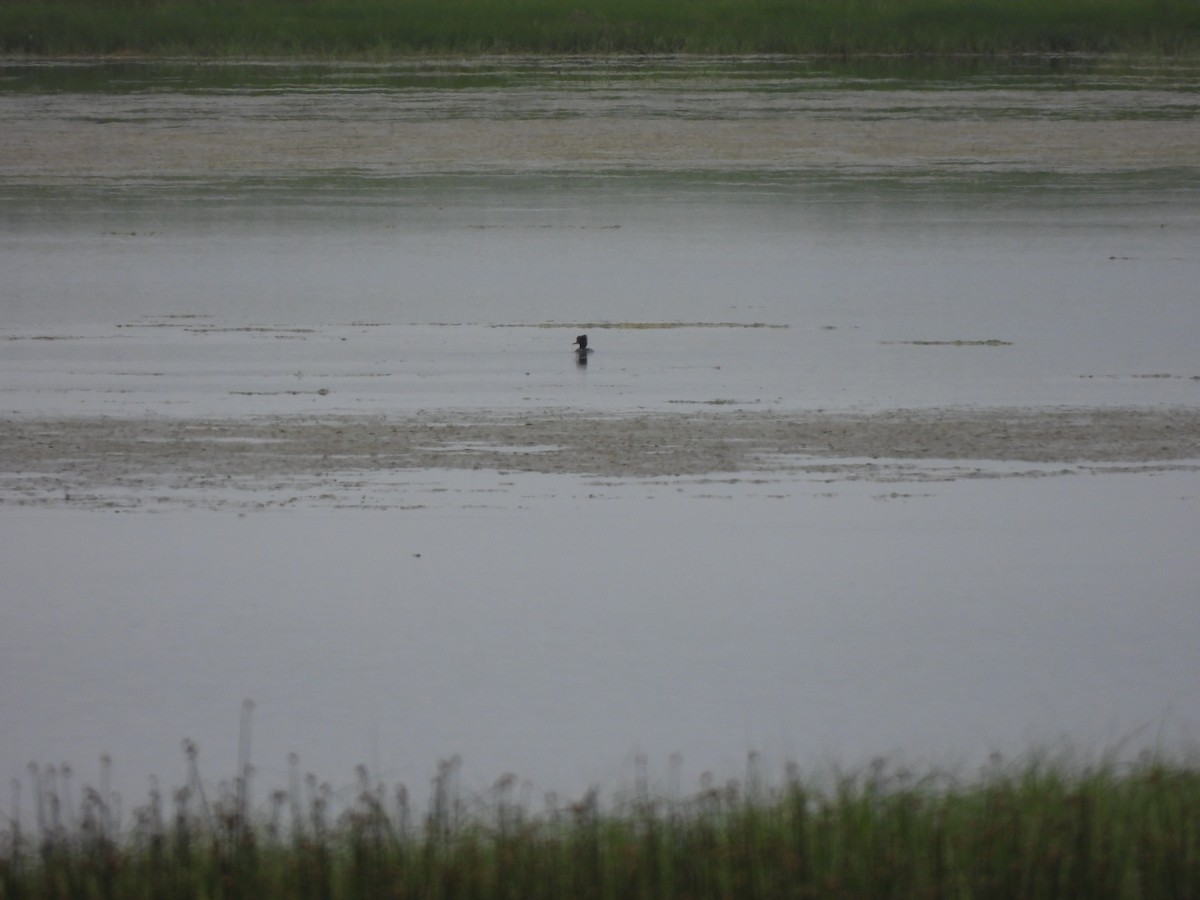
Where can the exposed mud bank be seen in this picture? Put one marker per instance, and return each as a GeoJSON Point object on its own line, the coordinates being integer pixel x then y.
{"type": "Point", "coordinates": [109, 461]}
{"type": "Point", "coordinates": [671, 120]}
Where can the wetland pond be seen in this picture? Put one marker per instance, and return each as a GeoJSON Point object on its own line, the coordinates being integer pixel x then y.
{"type": "Point", "coordinates": [889, 445]}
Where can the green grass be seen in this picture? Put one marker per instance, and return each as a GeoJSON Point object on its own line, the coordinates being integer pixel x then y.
{"type": "Point", "coordinates": [1037, 829]}
{"type": "Point", "coordinates": [386, 28]}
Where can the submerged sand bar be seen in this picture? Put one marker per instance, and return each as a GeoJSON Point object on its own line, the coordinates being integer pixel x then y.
{"type": "Point", "coordinates": [53, 459]}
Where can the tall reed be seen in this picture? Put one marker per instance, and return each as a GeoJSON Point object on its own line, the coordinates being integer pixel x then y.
{"type": "Point", "coordinates": [1036, 829]}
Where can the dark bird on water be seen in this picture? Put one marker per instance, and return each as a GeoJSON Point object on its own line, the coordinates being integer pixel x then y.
{"type": "Point", "coordinates": [582, 349]}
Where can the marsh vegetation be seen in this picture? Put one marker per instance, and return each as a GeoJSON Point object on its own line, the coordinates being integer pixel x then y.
{"type": "Point", "coordinates": [375, 28]}
{"type": "Point", "coordinates": [1037, 828]}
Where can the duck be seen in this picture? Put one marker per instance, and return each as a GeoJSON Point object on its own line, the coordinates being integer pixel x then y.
{"type": "Point", "coordinates": [582, 349]}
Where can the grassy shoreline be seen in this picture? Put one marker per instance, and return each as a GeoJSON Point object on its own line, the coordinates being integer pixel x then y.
{"type": "Point", "coordinates": [1037, 829]}
{"type": "Point", "coordinates": [387, 28]}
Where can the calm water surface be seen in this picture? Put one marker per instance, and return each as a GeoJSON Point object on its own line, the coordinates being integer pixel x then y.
{"type": "Point", "coordinates": [1005, 235]}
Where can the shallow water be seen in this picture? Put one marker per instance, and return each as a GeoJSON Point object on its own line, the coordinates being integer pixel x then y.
{"type": "Point", "coordinates": [668, 557]}
{"type": "Point", "coordinates": [466, 293]}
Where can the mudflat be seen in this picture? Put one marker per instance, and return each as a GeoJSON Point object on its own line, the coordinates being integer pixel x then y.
{"type": "Point", "coordinates": [103, 461]}
{"type": "Point", "coordinates": [649, 123]}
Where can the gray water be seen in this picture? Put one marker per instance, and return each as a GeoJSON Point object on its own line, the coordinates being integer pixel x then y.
{"type": "Point", "coordinates": [196, 241]}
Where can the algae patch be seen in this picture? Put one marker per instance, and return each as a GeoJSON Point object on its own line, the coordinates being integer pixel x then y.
{"type": "Point", "coordinates": [637, 326]}
{"type": "Point", "coordinates": [991, 342]}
